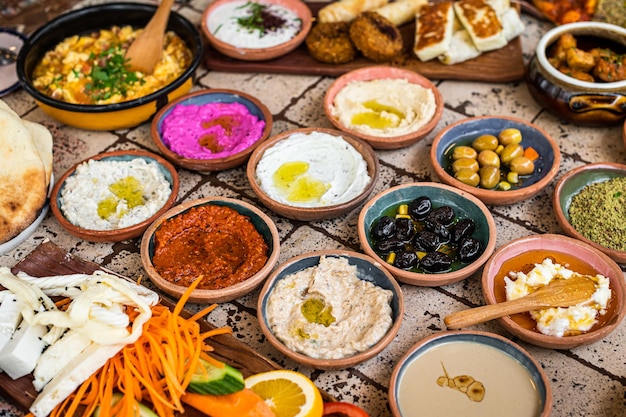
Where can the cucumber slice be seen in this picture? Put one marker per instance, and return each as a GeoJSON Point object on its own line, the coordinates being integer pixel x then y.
{"type": "Point", "coordinates": [143, 410]}
{"type": "Point", "coordinates": [216, 381]}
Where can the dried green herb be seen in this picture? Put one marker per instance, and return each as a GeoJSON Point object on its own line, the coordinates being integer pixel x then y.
{"type": "Point", "coordinates": [110, 74]}
{"type": "Point", "coordinates": [260, 19]}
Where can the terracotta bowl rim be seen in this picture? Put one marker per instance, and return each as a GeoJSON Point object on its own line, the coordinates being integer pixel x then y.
{"type": "Point", "coordinates": [430, 280]}
{"type": "Point", "coordinates": [312, 213]}
{"type": "Point", "coordinates": [330, 364]}
{"type": "Point", "coordinates": [495, 197]}
{"type": "Point", "coordinates": [204, 295]}
{"type": "Point", "coordinates": [125, 233]}
{"type": "Point", "coordinates": [554, 342]}
{"type": "Point", "coordinates": [213, 163]}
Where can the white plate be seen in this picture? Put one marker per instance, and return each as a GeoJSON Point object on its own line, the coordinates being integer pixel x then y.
{"type": "Point", "coordinates": [11, 42]}
{"type": "Point", "coordinates": [25, 234]}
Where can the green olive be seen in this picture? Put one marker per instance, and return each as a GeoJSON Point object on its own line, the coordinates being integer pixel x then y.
{"type": "Point", "coordinates": [465, 163]}
{"type": "Point", "coordinates": [468, 177]}
{"type": "Point", "coordinates": [489, 177]}
{"type": "Point", "coordinates": [483, 142]}
{"type": "Point", "coordinates": [510, 152]}
{"type": "Point", "coordinates": [522, 165]}
{"type": "Point", "coordinates": [464, 152]}
{"type": "Point", "coordinates": [510, 135]}
{"type": "Point", "coordinates": [488, 157]}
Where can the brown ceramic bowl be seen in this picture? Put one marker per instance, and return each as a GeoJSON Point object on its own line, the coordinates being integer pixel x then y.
{"type": "Point", "coordinates": [124, 233]}
{"type": "Point", "coordinates": [262, 223]}
{"type": "Point", "coordinates": [583, 103]}
{"type": "Point", "coordinates": [306, 153]}
{"type": "Point", "coordinates": [250, 53]}
{"type": "Point", "coordinates": [464, 205]}
{"type": "Point", "coordinates": [577, 256]}
{"type": "Point", "coordinates": [208, 97]}
{"type": "Point", "coordinates": [465, 131]}
{"type": "Point", "coordinates": [572, 183]}
{"type": "Point", "coordinates": [382, 73]}
{"type": "Point", "coordinates": [368, 269]}
{"type": "Point", "coordinates": [487, 358]}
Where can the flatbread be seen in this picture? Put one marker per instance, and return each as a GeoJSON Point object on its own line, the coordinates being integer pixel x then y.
{"type": "Point", "coordinates": [24, 172]}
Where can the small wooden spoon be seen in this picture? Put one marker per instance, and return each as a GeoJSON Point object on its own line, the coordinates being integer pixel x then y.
{"type": "Point", "coordinates": [145, 52]}
{"type": "Point", "coordinates": [558, 293]}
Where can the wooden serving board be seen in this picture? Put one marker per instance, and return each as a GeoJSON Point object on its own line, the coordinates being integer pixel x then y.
{"type": "Point", "coordinates": [502, 65]}
{"type": "Point", "coordinates": [48, 259]}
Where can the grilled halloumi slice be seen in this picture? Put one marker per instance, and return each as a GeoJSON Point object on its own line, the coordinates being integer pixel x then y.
{"type": "Point", "coordinates": [482, 23]}
{"type": "Point", "coordinates": [433, 30]}
{"type": "Point", "coordinates": [461, 49]}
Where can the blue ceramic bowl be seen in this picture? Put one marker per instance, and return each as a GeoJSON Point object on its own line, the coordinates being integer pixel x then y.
{"type": "Point", "coordinates": [262, 223]}
{"type": "Point", "coordinates": [465, 131]}
{"type": "Point", "coordinates": [468, 373]}
{"type": "Point", "coordinates": [572, 183]}
{"type": "Point", "coordinates": [465, 206]}
{"type": "Point", "coordinates": [252, 104]}
{"type": "Point", "coordinates": [368, 269]}
{"type": "Point", "coordinates": [115, 235]}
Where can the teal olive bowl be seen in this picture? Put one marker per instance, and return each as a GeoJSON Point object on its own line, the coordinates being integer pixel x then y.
{"type": "Point", "coordinates": [572, 183]}
{"type": "Point", "coordinates": [507, 372]}
{"type": "Point", "coordinates": [465, 131]}
{"type": "Point", "coordinates": [465, 206]}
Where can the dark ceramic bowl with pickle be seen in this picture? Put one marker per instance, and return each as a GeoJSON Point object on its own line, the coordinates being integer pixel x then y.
{"type": "Point", "coordinates": [431, 269]}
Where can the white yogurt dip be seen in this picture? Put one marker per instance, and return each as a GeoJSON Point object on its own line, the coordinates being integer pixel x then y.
{"type": "Point", "coordinates": [232, 23]}
{"type": "Point", "coordinates": [312, 170]}
{"type": "Point", "coordinates": [384, 107]}
{"type": "Point", "coordinates": [559, 321]}
{"type": "Point", "coordinates": [327, 312]}
{"type": "Point", "coordinates": [108, 195]}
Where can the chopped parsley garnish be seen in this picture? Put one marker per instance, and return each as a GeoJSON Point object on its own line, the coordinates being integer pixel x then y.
{"type": "Point", "coordinates": [110, 74]}
{"type": "Point", "coordinates": [260, 19]}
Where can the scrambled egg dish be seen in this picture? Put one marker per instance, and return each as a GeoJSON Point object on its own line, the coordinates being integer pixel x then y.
{"type": "Point", "coordinates": [91, 69]}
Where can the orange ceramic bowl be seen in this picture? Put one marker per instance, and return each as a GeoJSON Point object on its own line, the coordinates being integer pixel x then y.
{"type": "Point", "coordinates": [199, 98]}
{"type": "Point", "coordinates": [382, 73]}
{"type": "Point", "coordinates": [125, 233]}
{"type": "Point", "coordinates": [250, 53]}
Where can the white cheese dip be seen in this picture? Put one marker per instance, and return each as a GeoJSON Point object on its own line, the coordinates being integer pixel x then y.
{"type": "Point", "coordinates": [385, 107]}
{"type": "Point", "coordinates": [108, 195]}
{"type": "Point", "coordinates": [275, 24]}
{"type": "Point", "coordinates": [312, 170]}
{"type": "Point", "coordinates": [559, 321]}
{"type": "Point", "coordinates": [327, 312]}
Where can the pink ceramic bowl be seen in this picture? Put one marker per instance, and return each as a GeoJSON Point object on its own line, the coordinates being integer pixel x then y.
{"type": "Point", "coordinates": [379, 73]}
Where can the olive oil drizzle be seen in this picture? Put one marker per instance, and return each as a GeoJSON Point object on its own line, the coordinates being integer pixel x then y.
{"type": "Point", "coordinates": [474, 390]}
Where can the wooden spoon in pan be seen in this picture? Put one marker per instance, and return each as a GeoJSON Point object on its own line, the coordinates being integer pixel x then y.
{"type": "Point", "coordinates": [558, 293]}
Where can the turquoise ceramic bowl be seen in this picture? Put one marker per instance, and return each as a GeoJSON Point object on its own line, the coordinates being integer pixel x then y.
{"type": "Point", "coordinates": [570, 185]}
{"type": "Point", "coordinates": [464, 205]}
{"type": "Point", "coordinates": [504, 369]}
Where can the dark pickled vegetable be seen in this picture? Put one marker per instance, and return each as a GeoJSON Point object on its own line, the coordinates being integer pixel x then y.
{"type": "Point", "coordinates": [406, 260]}
{"type": "Point", "coordinates": [469, 250]}
{"type": "Point", "coordinates": [436, 262]}
{"type": "Point", "coordinates": [405, 230]}
{"type": "Point", "coordinates": [444, 215]}
{"type": "Point", "coordinates": [462, 229]}
{"type": "Point", "coordinates": [420, 207]}
{"type": "Point", "coordinates": [385, 227]}
{"type": "Point", "coordinates": [439, 229]}
{"type": "Point", "coordinates": [426, 241]}
{"type": "Point", "coordinates": [391, 244]}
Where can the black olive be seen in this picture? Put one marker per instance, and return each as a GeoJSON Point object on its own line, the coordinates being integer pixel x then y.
{"type": "Point", "coordinates": [426, 241]}
{"type": "Point", "coordinates": [462, 229]}
{"type": "Point", "coordinates": [443, 215]}
{"type": "Point", "coordinates": [439, 229]}
{"type": "Point", "coordinates": [420, 207]}
{"type": "Point", "coordinates": [436, 262]}
{"type": "Point", "coordinates": [405, 230]}
{"type": "Point", "coordinates": [405, 260]}
{"type": "Point", "coordinates": [469, 250]}
{"type": "Point", "coordinates": [391, 244]}
{"type": "Point", "coordinates": [385, 227]}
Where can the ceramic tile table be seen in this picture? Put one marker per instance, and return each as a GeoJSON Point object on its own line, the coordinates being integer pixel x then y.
{"type": "Point", "coordinates": [586, 381]}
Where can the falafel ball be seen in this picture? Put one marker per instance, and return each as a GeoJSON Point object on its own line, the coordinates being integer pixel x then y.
{"type": "Point", "coordinates": [330, 42]}
{"type": "Point", "coordinates": [375, 36]}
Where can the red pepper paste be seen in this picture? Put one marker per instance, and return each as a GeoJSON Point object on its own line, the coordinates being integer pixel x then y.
{"type": "Point", "coordinates": [215, 242]}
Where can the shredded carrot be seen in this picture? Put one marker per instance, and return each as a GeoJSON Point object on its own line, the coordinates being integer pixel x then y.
{"type": "Point", "coordinates": [531, 153]}
{"type": "Point", "coordinates": [156, 369]}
